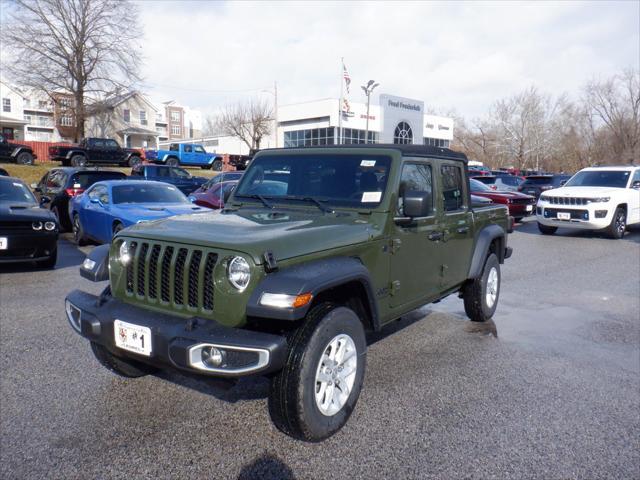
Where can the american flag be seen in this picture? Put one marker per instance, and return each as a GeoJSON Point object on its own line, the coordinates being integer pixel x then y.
{"type": "Point", "coordinates": [347, 78]}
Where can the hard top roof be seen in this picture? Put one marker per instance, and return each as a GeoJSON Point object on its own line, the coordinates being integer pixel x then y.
{"type": "Point", "coordinates": [417, 150]}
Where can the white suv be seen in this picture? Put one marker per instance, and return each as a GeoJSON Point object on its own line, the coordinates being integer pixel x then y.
{"type": "Point", "coordinates": [595, 198]}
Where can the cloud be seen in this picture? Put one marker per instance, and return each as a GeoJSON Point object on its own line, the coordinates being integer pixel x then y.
{"type": "Point", "coordinates": [456, 55]}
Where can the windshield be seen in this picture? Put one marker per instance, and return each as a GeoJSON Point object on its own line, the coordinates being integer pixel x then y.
{"type": "Point", "coordinates": [224, 177]}
{"type": "Point", "coordinates": [15, 192]}
{"type": "Point", "coordinates": [599, 178]}
{"type": "Point", "coordinates": [349, 180]}
{"type": "Point", "coordinates": [147, 194]}
{"type": "Point", "coordinates": [511, 181]}
{"type": "Point", "coordinates": [86, 179]}
{"type": "Point", "coordinates": [477, 186]}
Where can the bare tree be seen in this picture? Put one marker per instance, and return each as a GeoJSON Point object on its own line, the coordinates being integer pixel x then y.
{"type": "Point", "coordinates": [248, 121]}
{"type": "Point", "coordinates": [615, 104]}
{"type": "Point", "coordinates": [88, 48]}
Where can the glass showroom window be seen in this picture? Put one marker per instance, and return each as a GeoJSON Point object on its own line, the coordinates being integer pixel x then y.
{"type": "Point", "coordinates": [353, 135]}
{"type": "Point", "coordinates": [403, 134]}
{"type": "Point", "coordinates": [436, 142]}
{"type": "Point", "coordinates": [309, 137]}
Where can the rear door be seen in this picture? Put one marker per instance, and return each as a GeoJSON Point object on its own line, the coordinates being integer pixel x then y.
{"type": "Point", "coordinates": [455, 223]}
{"type": "Point", "coordinates": [414, 260]}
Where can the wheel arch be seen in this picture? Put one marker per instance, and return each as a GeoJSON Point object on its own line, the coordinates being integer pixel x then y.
{"type": "Point", "coordinates": [491, 239]}
{"type": "Point", "coordinates": [342, 280]}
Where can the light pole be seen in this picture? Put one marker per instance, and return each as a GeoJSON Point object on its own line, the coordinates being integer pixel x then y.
{"type": "Point", "coordinates": [275, 109]}
{"type": "Point", "coordinates": [367, 91]}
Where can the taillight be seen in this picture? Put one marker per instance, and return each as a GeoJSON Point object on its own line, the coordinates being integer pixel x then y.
{"type": "Point", "coordinates": [72, 192]}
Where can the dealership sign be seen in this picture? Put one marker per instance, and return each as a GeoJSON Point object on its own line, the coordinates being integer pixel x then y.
{"type": "Point", "coordinates": [407, 106]}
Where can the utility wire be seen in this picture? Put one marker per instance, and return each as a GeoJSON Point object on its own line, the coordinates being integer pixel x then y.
{"type": "Point", "coordinates": [217, 92]}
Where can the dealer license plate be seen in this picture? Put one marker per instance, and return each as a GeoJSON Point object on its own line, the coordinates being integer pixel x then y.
{"type": "Point", "coordinates": [564, 216]}
{"type": "Point", "coordinates": [133, 338]}
{"type": "Point", "coordinates": [529, 208]}
{"type": "Point", "coordinates": [4, 243]}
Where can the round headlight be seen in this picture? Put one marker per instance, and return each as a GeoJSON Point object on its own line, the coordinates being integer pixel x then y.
{"type": "Point", "coordinates": [239, 273]}
{"type": "Point", "coordinates": [36, 225]}
{"type": "Point", "coordinates": [50, 226]}
{"type": "Point", "coordinates": [123, 254]}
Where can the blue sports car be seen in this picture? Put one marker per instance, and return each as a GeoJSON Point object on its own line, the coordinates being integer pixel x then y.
{"type": "Point", "coordinates": [108, 207]}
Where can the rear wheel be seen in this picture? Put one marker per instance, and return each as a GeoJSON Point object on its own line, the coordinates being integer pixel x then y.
{"type": "Point", "coordinates": [120, 366]}
{"type": "Point", "coordinates": [315, 393]}
{"type": "Point", "coordinates": [618, 224]}
{"type": "Point", "coordinates": [173, 162]}
{"type": "Point", "coordinates": [546, 230]}
{"type": "Point", "coordinates": [24, 158]}
{"type": "Point", "coordinates": [217, 165]}
{"type": "Point", "coordinates": [134, 160]}
{"type": "Point", "coordinates": [78, 232]}
{"type": "Point", "coordinates": [481, 294]}
{"type": "Point", "coordinates": [78, 161]}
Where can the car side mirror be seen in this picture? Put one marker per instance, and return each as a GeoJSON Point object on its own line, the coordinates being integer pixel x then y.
{"type": "Point", "coordinates": [35, 187]}
{"type": "Point", "coordinates": [635, 184]}
{"type": "Point", "coordinates": [562, 182]}
{"type": "Point", "coordinates": [44, 201]}
{"type": "Point", "coordinates": [417, 204]}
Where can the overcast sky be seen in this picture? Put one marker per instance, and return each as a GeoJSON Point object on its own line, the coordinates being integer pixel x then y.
{"type": "Point", "coordinates": [454, 55]}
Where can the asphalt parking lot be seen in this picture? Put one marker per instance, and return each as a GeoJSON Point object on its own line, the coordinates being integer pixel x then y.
{"type": "Point", "coordinates": [550, 389]}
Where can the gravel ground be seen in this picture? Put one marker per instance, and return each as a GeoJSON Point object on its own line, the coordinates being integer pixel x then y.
{"type": "Point", "coordinates": [550, 389]}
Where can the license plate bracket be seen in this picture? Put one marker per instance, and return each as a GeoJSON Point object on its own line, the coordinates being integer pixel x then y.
{"type": "Point", "coordinates": [133, 338]}
{"type": "Point", "coordinates": [564, 216]}
{"type": "Point", "coordinates": [4, 243]}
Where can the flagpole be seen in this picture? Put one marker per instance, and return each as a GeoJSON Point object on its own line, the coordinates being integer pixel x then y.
{"type": "Point", "coordinates": [339, 142]}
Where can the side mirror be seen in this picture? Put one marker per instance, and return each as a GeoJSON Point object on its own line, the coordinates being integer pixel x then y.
{"type": "Point", "coordinates": [44, 201]}
{"type": "Point", "coordinates": [417, 204]}
{"type": "Point", "coordinates": [562, 182]}
{"type": "Point", "coordinates": [35, 187]}
{"type": "Point", "coordinates": [635, 184]}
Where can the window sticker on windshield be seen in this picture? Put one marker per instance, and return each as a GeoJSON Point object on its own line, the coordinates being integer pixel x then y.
{"type": "Point", "coordinates": [368, 197]}
{"type": "Point", "coordinates": [368, 163]}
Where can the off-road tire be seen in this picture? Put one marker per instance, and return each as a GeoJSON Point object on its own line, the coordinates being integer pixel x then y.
{"type": "Point", "coordinates": [24, 158]}
{"type": "Point", "coordinates": [546, 230]}
{"type": "Point", "coordinates": [292, 403]}
{"type": "Point", "coordinates": [134, 160]}
{"type": "Point", "coordinates": [475, 293]}
{"type": "Point", "coordinates": [217, 165]}
{"type": "Point", "coordinates": [49, 262]}
{"type": "Point", "coordinates": [172, 162]}
{"type": "Point", "coordinates": [78, 231]}
{"type": "Point", "coordinates": [120, 366]}
{"type": "Point", "coordinates": [618, 224]}
{"type": "Point", "coordinates": [78, 161]}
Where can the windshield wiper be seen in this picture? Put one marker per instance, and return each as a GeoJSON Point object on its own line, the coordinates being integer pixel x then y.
{"type": "Point", "coordinates": [258, 197]}
{"type": "Point", "coordinates": [313, 200]}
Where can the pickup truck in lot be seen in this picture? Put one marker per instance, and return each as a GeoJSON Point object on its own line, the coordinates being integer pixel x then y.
{"type": "Point", "coordinates": [176, 176]}
{"type": "Point", "coordinates": [94, 151]}
{"type": "Point", "coordinates": [314, 247]}
{"type": "Point", "coordinates": [190, 154]}
{"type": "Point", "coordinates": [16, 152]}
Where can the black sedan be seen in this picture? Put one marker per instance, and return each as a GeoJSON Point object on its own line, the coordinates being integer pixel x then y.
{"type": "Point", "coordinates": [28, 233]}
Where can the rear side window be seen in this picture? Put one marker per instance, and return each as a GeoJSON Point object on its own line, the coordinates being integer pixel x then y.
{"type": "Point", "coordinates": [537, 181]}
{"type": "Point", "coordinates": [86, 179]}
{"type": "Point", "coordinates": [173, 147]}
{"type": "Point", "coordinates": [452, 188]}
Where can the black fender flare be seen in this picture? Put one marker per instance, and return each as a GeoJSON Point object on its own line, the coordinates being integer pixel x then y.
{"type": "Point", "coordinates": [313, 277]}
{"type": "Point", "coordinates": [98, 271]}
{"type": "Point", "coordinates": [18, 150]}
{"type": "Point", "coordinates": [483, 241]}
{"type": "Point", "coordinates": [71, 153]}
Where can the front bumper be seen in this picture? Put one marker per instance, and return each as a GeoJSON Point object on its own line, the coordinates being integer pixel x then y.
{"type": "Point", "coordinates": [587, 217]}
{"type": "Point", "coordinates": [28, 246]}
{"type": "Point", "coordinates": [175, 341]}
{"type": "Point", "coordinates": [520, 209]}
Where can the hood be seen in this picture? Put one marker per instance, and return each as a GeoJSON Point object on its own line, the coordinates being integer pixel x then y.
{"type": "Point", "coordinates": [502, 195]}
{"type": "Point", "coordinates": [582, 191]}
{"type": "Point", "coordinates": [28, 212]}
{"type": "Point", "coordinates": [152, 211]}
{"type": "Point", "coordinates": [287, 233]}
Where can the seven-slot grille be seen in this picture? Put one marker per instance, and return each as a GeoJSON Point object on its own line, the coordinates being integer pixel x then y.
{"type": "Point", "coordinates": [567, 200]}
{"type": "Point", "coordinates": [178, 276]}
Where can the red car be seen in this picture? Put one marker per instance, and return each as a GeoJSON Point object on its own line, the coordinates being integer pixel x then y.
{"type": "Point", "coordinates": [519, 204]}
{"type": "Point", "coordinates": [213, 195]}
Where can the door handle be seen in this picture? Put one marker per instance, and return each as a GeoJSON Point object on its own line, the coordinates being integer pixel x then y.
{"type": "Point", "coordinates": [463, 230]}
{"type": "Point", "coordinates": [435, 236]}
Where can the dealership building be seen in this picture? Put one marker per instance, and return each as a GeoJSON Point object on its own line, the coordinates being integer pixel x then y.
{"type": "Point", "coordinates": [392, 119]}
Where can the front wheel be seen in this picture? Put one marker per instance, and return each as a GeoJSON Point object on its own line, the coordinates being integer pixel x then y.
{"type": "Point", "coordinates": [481, 294]}
{"type": "Point", "coordinates": [618, 224]}
{"type": "Point", "coordinates": [546, 230]}
{"type": "Point", "coordinates": [78, 231]}
{"type": "Point", "coordinates": [120, 366]}
{"type": "Point", "coordinates": [316, 391]}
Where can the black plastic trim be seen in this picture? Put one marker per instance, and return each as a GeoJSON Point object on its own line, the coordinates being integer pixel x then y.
{"type": "Point", "coordinates": [483, 241]}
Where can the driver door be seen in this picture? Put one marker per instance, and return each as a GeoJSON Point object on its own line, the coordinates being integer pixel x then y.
{"type": "Point", "coordinates": [96, 222]}
{"type": "Point", "coordinates": [415, 256]}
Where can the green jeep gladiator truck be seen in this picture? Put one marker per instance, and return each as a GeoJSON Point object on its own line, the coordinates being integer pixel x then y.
{"type": "Point", "coordinates": [315, 247]}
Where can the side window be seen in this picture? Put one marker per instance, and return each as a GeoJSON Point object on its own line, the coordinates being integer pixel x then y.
{"type": "Point", "coordinates": [173, 147]}
{"type": "Point", "coordinates": [198, 149]}
{"type": "Point", "coordinates": [100, 192]}
{"type": "Point", "coordinates": [43, 181]}
{"type": "Point", "coordinates": [452, 192]}
{"type": "Point", "coordinates": [187, 149]}
{"type": "Point", "coordinates": [636, 176]}
{"type": "Point", "coordinates": [415, 177]}
{"type": "Point", "coordinates": [55, 181]}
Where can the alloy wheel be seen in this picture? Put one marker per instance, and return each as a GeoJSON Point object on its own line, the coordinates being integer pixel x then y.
{"type": "Point", "coordinates": [336, 374]}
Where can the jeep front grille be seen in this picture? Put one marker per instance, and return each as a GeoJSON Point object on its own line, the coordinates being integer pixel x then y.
{"type": "Point", "coordinates": [567, 200]}
{"type": "Point", "coordinates": [171, 276]}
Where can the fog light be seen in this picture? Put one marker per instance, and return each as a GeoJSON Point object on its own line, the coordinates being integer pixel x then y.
{"type": "Point", "coordinates": [212, 356]}
{"type": "Point", "coordinates": [601, 213]}
{"type": "Point", "coordinates": [585, 216]}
